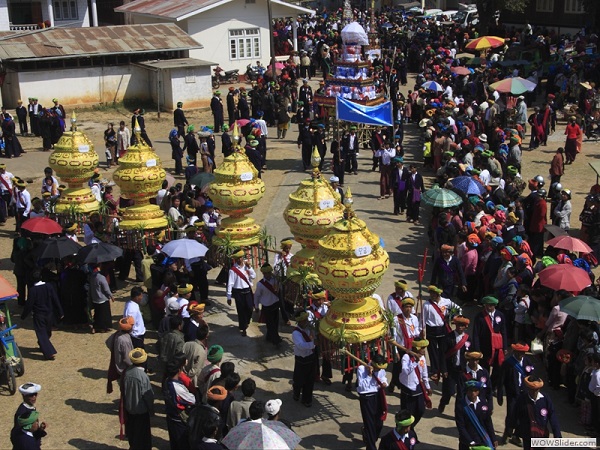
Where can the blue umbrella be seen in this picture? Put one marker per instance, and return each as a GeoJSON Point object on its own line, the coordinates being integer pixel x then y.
{"type": "Point", "coordinates": [432, 86]}
{"type": "Point", "coordinates": [468, 185]}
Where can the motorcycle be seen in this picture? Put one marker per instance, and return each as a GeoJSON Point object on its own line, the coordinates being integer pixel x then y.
{"type": "Point", "coordinates": [252, 74]}
{"type": "Point", "coordinates": [592, 129]}
{"type": "Point", "coordinates": [224, 76]}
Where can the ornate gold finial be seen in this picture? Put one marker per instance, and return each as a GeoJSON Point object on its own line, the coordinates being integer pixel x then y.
{"type": "Point", "coordinates": [348, 201]}
{"type": "Point", "coordinates": [315, 160]}
{"type": "Point", "coordinates": [73, 122]}
{"type": "Point", "coordinates": [137, 129]}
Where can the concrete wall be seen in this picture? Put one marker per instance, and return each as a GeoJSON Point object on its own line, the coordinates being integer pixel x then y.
{"type": "Point", "coordinates": [89, 86]}
{"type": "Point", "coordinates": [84, 86]}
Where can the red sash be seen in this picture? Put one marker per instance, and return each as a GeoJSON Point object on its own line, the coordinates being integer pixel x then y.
{"type": "Point", "coordinates": [407, 340]}
{"type": "Point", "coordinates": [401, 445]}
{"type": "Point", "coordinates": [428, 403]}
{"type": "Point", "coordinates": [5, 184]}
{"type": "Point", "coordinates": [460, 344]}
{"type": "Point", "coordinates": [441, 314]}
{"type": "Point", "coordinates": [316, 313]}
{"type": "Point", "coordinates": [306, 337]}
{"type": "Point", "coordinates": [241, 275]}
{"type": "Point", "coordinates": [497, 343]}
{"type": "Point", "coordinates": [397, 299]}
{"type": "Point", "coordinates": [381, 393]}
{"type": "Point", "coordinates": [269, 286]}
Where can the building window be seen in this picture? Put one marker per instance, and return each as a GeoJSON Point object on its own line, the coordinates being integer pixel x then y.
{"type": "Point", "coordinates": [574, 7]}
{"type": "Point", "coordinates": [544, 5]}
{"type": "Point", "coordinates": [65, 10]}
{"type": "Point", "coordinates": [244, 43]}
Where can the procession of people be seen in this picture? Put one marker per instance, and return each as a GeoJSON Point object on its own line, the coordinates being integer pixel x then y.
{"type": "Point", "coordinates": [496, 324]}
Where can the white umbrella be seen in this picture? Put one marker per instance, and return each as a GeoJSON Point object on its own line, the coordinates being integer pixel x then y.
{"type": "Point", "coordinates": [354, 33]}
{"type": "Point", "coordinates": [184, 248]}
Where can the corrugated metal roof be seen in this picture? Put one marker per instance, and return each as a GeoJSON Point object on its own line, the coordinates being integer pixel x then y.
{"type": "Point", "coordinates": [55, 43]}
{"type": "Point", "coordinates": [167, 9]}
{"type": "Point", "coordinates": [180, 9]}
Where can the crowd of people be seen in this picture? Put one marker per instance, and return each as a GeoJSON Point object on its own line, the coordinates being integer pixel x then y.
{"type": "Point", "coordinates": [488, 249]}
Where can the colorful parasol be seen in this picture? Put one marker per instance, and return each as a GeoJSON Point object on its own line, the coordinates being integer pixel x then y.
{"type": "Point", "coordinates": [564, 276]}
{"type": "Point", "coordinates": [442, 198]}
{"type": "Point", "coordinates": [485, 42]}
{"type": "Point", "coordinates": [569, 243]}
{"type": "Point", "coordinates": [460, 70]}
{"type": "Point", "coordinates": [42, 225]}
{"type": "Point", "coordinates": [515, 86]}
{"type": "Point", "coordinates": [432, 86]}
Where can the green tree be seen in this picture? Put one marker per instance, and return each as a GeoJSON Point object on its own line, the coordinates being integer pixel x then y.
{"type": "Point", "coordinates": [487, 8]}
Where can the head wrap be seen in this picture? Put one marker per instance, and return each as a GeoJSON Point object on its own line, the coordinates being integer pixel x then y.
{"type": "Point", "coordinates": [529, 384]}
{"type": "Point", "coordinates": [70, 226]}
{"type": "Point", "coordinates": [420, 343]}
{"type": "Point", "coordinates": [216, 393]}
{"type": "Point", "coordinates": [215, 353]}
{"type": "Point", "coordinates": [507, 253]}
{"type": "Point", "coordinates": [473, 239]}
{"type": "Point", "coordinates": [461, 320]}
{"type": "Point", "coordinates": [239, 254]}
{"type": "Point", "coordinates": [408, 301]}
{"type": "Point", "coordinates": [405, 423]}
{"type": "Point", "coordinates": [266, 268]}
{"type": "Point", "coordinates": [138, 356]}
{"type": "Point", "coordinates": [520, 347]}
{"type": "Point", "coordinates": [473, 384]}
{"type": "Point", "coordinates": [196, 308]}
{"type": "Point", "coordinates": [489, 300]}
{"type": "Point", "coordinates": [302, 316]}
{"type": "Point", "coordinates": [473, 355]}
{"type": "Point", "coordinates": [126, 323]}
{"type": "Point", "coordinates": [435, 289]}
{"type": "Point", "coordinates": [272, 407]}
{"type": "Point", "coordinates": [402, 284]}
{"type": "Point", "coordinates": [190, 128]}
{"type": "Point", "coordinates": [183, 289]}
{"type": "Point", "coordinates": [29, 388]}
{"type": "Point", "coordinates": [27, 419]}
{"type": "Point", "coordinates": [286, 243]}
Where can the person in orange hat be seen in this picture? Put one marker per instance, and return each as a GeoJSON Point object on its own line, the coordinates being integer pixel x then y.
{"type": "Point", "coordinates": [534, 412]}
{"type": "Point", "coordinates": [120, 345]}
{"type": "Point", "coordinates": [455, 345]}
{"type": "Point", "coordinates": [513, 372]}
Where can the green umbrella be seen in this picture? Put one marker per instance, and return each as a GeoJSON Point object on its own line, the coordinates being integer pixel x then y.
{"type": "Point", "coordinates": [442, 198]}
{"type": "Point", "coordinates": [202, 179]}
{"type": "Point", "coordinates": [582, 307]}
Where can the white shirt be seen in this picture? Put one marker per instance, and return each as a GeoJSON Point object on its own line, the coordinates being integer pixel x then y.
{"type": "Point", "coordinates": [133, 309]}
{"type": "Point", "coordinates": [392, 304]}
{"type": "Point", "coordinates": [236, 282]}
{"type": "Point", "coordinates": [183, 303]}
{"type": "Point", "coordinates": [211, 220]}
{"type": "Point", "coordinates": [432, 318]}
{"type": "Point", "coordinates": [485, 177]}
{"type": "Point", "coordinates": [413, 328]}
{"type": "Point", "coordinates": [386, 155]}
{"type": "Point", "coordinates": [160, 195]}
{"type": "Point", "coordinates": [97, 191]}
{"type": "Point", "coordinates": [301, 347]}
{"type": "Point", "coordinates": [322, 311]}
{"type": "Point", "coordinates": [594, 385]}
{"type": "Point", "coordinates": [263, 127]}
{"type": "Point", "coordinates": [24, 201]}
{"type": "Point", "coordinates": [263, 295]}
{"type": "Point", "coordinates": [367, 383]}
{"type": "Point", "coordinates": [472, 372]}
{"type": "Point", "coordinates": [408, 376]}
{"type": "Point", "coordinates": [7, 177]}
{"type": "Point", "coordinates": [457, 338]}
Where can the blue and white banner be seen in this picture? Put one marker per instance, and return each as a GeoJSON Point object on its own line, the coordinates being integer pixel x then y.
{"type": "Point", "coordinates": [380, 115]}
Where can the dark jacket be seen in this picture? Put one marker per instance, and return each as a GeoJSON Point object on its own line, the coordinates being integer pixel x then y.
{"type": "Point", "coordinates": [467, 432]}
{"type": "Point", "coordinates": [543, 413]}
{"type": "Point", "coordinates": [482, 339]}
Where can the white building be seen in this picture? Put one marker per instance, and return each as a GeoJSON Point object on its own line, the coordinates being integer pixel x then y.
{"type": "Point", "coordinates": [18, 15]}
{"type": "Point", "coordinates": [104, 65]}
{"type": "Point", "coordinates": [234, 33]}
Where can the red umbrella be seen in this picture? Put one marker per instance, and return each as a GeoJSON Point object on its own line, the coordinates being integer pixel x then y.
{"type": "Point", "coordinates": [42, 225]}
{"type": "Point", "coordinates": [564, 276]}
{"type": "Point", "coordinates": [569, 243]}
{"type": "Point", "coordinates": [240, 122]}
{"type": "Point", "coordinates": [460, 70]}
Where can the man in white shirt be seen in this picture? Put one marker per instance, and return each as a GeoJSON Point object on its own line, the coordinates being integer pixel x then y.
{"type": "Point", "coordinates": [394, 300]}
{"type": "Point", "coordinates": [435, 313]}
{"type": "Point", "coordinates": [414, 381]}
{"type": "Point", "coordinates": [371, 383]}
{"type": "Point", "coordinates": [184, 292]}
{"type": "Point", "coordinates": [267, 295]}
{"type": "Point", "coordinates": [6, 190]}
{"type": "Point", "coordinates": [239, 286]}
{"type": "Point", "coordinates": [96, 187]}
{"type": "Point", "coordinates": [23, 202]}
{"type": "Point", "coordinates": [406, 329]}
{"type": "Point", "coordinates": [132, 309]}
{"type": "Point", "coordinates": [305, 360]}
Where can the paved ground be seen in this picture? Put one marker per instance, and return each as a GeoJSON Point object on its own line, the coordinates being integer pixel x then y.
{"type": "Point", "coordinates": [73, 400]}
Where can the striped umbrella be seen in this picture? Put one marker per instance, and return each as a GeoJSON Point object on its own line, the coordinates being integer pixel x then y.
{"type": "Point", "coordinates": [432, 86]}
{"type": "Point", "coordinates": [515, 85]}
{"type": "Point", "coordinates": [485, 42]}
{"type": "Point", "coordinates": [442, 198]}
